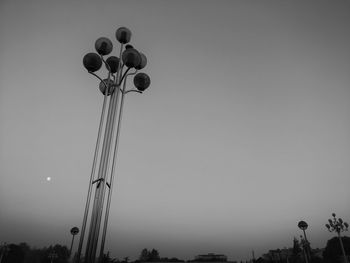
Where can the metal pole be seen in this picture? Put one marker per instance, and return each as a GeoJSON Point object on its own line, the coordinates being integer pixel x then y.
{"type": "Point", "coordinates": [93, 233]}
{"type": "Point", "coordinates": [305, 256]}
{"type": "Point", "coordinates": [92, 220]}
{"type": "Point", "coordinates": [303, 245]}
{"type": "Point", "coordinates": [113, 168]}
{"type": "Point", "coordinates": [342, 248]}
{"type": "Point", "coordinates": [93, 236]}
{"type": "Point", "coordinates": [113, 118]}
{"type": "Point", "coordinates": [307, 247]}
{"type": "Point", "coordinates": [93, 169]}
{"type": "Point", "coordinates": [71, 246]}
{"type": "Point", "coordinates": [99, 208]}
{"type": "Point", "coordinates": [100, 188]}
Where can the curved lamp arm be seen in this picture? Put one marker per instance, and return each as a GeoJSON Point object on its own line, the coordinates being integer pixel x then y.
{"type": "Point", "coordinates": [126, 75]}
{"type": "Point", "coordinates": [97, 76]}
{"type": "Point", "coordinates": [108, 68]}
{"type": "Point", "coordinates": [133, 90]}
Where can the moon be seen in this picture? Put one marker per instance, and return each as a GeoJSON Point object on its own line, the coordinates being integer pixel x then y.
{"type": "Point", "coordinates": [48, 179]}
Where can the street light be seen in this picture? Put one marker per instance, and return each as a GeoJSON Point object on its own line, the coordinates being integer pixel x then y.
{"type": "Point", "coordinates": [338, 225]}
{"type": "Point", "coordinates": [129, 62]}
{"type": "Point", "coordinates": [303, 226]}
{"type": "Point", "coordinates": [74, 231]}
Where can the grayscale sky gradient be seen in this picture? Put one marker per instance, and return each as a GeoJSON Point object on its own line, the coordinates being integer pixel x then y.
{"type": "Point", "coordinates": [244, 131]}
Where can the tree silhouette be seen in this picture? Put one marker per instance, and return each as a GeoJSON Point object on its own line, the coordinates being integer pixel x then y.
{"type": "Point", "coordinates": [149, 256]}
{"type": "Point", "coordinates": [154, 255]}
{"type": "Point", "coordinates": [144, 256]}
{"type": "Point", "coordinates": [296, 254]}
{"type": "Point", "coordinates": [14, 254]}
{"type": "Point", "coordinates": [107, 259]}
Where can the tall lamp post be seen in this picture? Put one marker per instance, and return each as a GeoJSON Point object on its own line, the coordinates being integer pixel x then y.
{"type": "Point", "coordinates": [113, 87]}
{"type": "Point", "coordinates": [338, 225]}
{"type": "Point", "coordinates": [303, 226]}
{"type": "Point", "coordinates": [74, 231]}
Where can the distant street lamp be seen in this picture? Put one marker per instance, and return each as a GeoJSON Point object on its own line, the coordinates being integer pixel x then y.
{"type": "Point", "coordinates": [338, 225]}
{"type": "Point", "coordinates": [113, 87]}
{"type": "Point", "coordinates": [74, 231]}
{"type": "Point", "coordinates": [303, 226]}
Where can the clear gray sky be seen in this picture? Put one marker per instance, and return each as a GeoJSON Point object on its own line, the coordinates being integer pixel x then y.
{"type": "Point", "coordinates": [244, 131]}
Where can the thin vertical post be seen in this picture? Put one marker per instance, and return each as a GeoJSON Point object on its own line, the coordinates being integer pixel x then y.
{"type": "Point", "coordinates": [342, 248]}
{"type": "Point", "coordinates": [305, 256]}
{"type": "Point", "coordinates": [71, 246]}
{"type": "Point", "coordinates": [100, 187]}
{"type": "Point", "coordinates": [115, 153]}
{"type": "Point", "coordinates": [92, 176]}
{"type": "Point", "coordinates": [307, 246]}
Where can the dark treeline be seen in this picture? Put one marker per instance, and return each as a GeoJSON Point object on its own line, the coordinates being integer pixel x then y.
{"type": "Point", "coordinates": [23, 253]}
{"type": "Point", "coordinates": [332, 253]}
{"type": "Point", "coordinates": [153, 256]}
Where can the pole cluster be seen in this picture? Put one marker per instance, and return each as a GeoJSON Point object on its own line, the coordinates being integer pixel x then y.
{"type": "Point", "coordinates": [113, 87]}
{"type": "Point", "coordinates": [338, 226]}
